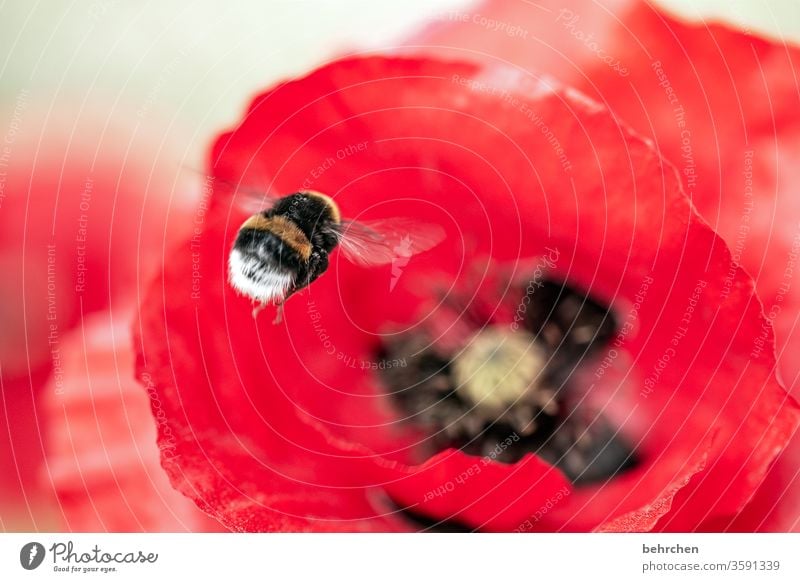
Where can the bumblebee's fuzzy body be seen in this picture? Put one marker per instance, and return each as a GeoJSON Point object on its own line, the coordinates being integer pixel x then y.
{"type": "Point", "coordinates": [284, 249]}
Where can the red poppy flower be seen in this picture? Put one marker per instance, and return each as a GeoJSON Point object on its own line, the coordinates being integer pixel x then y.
{"type": "Point", "coordinates": [722, 105]}
{"type": "Point", "coordinates": [573, 258]}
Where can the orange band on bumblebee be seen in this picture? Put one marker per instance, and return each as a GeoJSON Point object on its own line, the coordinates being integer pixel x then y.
{"type": "Point", "coordinates": [284, 229]}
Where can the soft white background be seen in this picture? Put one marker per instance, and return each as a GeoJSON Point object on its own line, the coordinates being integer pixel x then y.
{"type": "Point", "coordinates": [183, 70]}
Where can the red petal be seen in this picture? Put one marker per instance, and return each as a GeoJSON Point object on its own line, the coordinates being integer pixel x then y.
{"type": "Point", "coordinates": [102, 458]}
{"type": "Point", "coordinates": [646, 517]}
{"type": "Point", "coordinates": [231, 438]}
{"type": "Point", "coordinates": [26, 503]}
{"type": "Point", "coordinates": [463, 146]}
{"type": "Point", "coordinates": [479, 491]}
{"type": "Point", "coordinates": [722, 105]}
{"type": "Point", "coordinates": [774, 506]}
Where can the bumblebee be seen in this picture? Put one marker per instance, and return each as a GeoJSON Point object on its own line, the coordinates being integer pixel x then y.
{"type": "Point", "coordinates": [286, 245]}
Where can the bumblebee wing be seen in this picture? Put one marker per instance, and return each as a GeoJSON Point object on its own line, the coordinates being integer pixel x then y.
{"type": "Point", "coordinates": [248, 198]}
{"type": "Point", "coordinates": [253, 201]}
{"type": "Point", "coordinates": [379, 242]}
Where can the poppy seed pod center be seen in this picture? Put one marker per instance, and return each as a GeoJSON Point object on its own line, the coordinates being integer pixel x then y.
{"type": "Point", "coordinates": [508, 390]}
{"type": "Point", "coordinates": [496, 369]}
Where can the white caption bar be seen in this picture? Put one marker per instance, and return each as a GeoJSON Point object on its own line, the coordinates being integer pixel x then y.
{"type": "Point", "coordinates": [389, 557]}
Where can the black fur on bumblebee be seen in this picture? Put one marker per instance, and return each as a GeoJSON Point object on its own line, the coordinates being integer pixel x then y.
{"type": "Point", "coordinates": [286, 245]}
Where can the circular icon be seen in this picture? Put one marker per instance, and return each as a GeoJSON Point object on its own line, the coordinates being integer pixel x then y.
{"type": "Point", "coordinates": [31, 555]}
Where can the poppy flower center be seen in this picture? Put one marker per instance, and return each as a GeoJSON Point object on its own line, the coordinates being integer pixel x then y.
{"type": "Point", "coordinates": [504, 388]}
{"type": "Point", "coordinates": [498, 372]}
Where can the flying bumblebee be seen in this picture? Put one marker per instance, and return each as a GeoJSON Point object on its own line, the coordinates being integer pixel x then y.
{"type": "Point", "coordinates": [285, 246]}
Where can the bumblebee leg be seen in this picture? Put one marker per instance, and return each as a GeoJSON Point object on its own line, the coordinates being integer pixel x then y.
{"type": "Point", "coordinates": [279, 314]}
{"type": "Point", "coordinates": [258, 308]}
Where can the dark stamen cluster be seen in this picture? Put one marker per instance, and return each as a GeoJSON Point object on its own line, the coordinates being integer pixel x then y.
{"type": "Point", "coordinates": [510, 390]}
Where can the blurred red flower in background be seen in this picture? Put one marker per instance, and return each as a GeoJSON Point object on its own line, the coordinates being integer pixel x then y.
{"type": "Point", "coordinates": [86, 214]}
{"type": "Point", "coordinates": [100, 437]}
{"type": "Point", "coordinates": [284, 427]}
